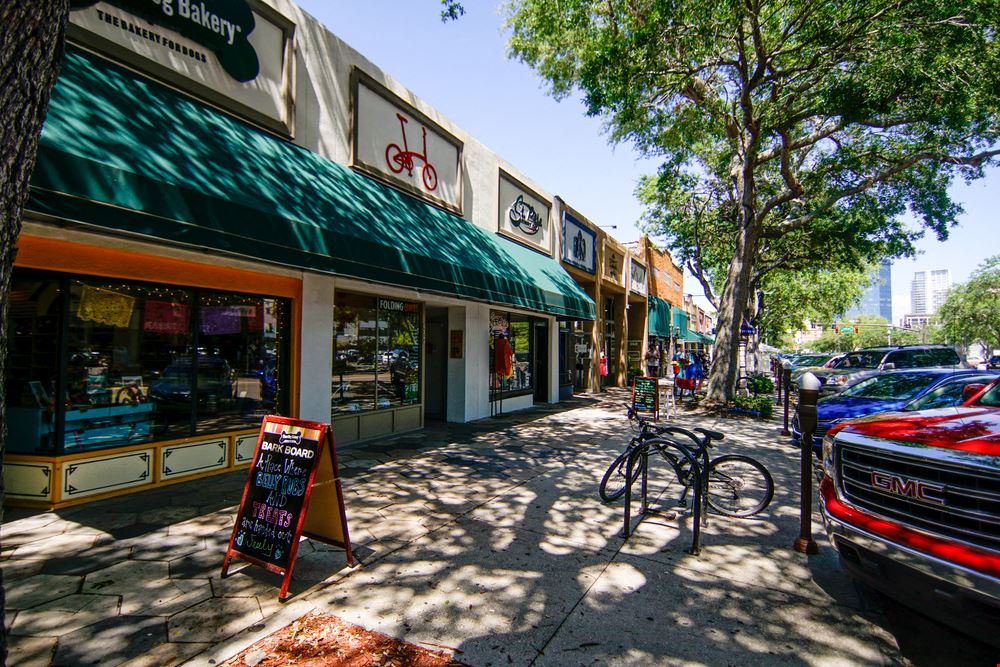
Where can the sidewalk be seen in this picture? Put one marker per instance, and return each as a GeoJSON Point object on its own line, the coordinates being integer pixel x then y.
{"type": "Point", "coordinates": [488, 538]}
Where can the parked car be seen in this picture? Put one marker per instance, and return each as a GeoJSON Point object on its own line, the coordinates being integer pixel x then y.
{"type": "Point", "coordinates": [861, 364]}
{"type": "Point", "coordinates": [810, 360]}
{"type": "Point", "coordinates": [993, 362]}
{"type": "Point", "coordinates": [911, 502]}
{"type": "Point", "coordinates": [905, 390]}
{"type": "Point", "coordinates": [833, 362]}
{"type": "Point", "coordinates": [213, 382]}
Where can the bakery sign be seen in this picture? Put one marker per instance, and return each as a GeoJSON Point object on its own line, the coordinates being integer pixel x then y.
{"type": "Point", "coordinates": [216, 47]}
{"type": "Point", "coordinates": [524, 215]}
{"type": "Point", "coordinates": [578, 244]}
{"type": "Point", "coordinates": [396, 143]}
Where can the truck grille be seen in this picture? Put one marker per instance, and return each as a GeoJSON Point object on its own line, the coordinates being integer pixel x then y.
{"type": "Point", "coordinates": [939, 498]}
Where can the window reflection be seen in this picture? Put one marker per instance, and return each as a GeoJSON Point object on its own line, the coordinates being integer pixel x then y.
{"type": "Point", "coordinates": [376, 353]}
{"type": "Point", "coordinates": [135, 363]}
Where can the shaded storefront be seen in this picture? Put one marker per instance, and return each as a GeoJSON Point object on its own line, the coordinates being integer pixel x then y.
{"type": "Point", "coordinates": [182, 273]}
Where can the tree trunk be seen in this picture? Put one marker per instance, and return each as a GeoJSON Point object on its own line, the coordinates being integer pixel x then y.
{"type": "Point", "coordinates": [732, 305]}
{"type": "Point", "coordinates": [32, 34]}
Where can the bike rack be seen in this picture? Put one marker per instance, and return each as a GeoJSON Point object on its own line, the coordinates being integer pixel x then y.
{"type": "Point", "coordinates": [702, 448]}
{"type": "Point", "coordinates": [642, 454]}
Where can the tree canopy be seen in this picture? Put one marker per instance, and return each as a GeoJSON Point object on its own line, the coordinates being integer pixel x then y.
{"type": "Point", "coordinates": [792, 134]}
{"type": "Point", "coordinates": [872, 331]}
{"type": "Point", "coordinates": [971, 313]}
{"type": "Point", "coordinates": [790, 298]}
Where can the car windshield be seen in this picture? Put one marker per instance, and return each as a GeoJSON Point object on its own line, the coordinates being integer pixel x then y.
{"type": "Point", "coordinates": [895, 386]}
{"type": "Point", "coordinates": [862, 359]}
{"type": "Point", "coordinates": [991, 398]}
{"type": "Point", "coordinates": [812, 360]}
{"type": "Point", "coordinates": [947, 393]}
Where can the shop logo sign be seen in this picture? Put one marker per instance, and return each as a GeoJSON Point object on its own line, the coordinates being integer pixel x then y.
{"type": "Point", "coordinates": [399, 159]}
{"type": "Point", "coordinates": [221, 26]}
{"type": "Point", "coordinates": [523, 216]}
{"type": "Point", "coordinates": [579, 247]}
{"type": "Point", "coordinates": [579, 244]}
{"type": "Point", "coordinates": [388, 304]}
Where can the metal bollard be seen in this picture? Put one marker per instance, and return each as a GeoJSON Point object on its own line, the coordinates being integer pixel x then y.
{"type": "Point", "coordinates": [787, 381]}
{"type": "Point", "coordinates": [808, 395]}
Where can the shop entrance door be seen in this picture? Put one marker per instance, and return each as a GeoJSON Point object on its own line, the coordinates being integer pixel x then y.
{"type": "Point", "coordinates": [541, 362]}
{"type": "Point", "coordinates": [436, 364]}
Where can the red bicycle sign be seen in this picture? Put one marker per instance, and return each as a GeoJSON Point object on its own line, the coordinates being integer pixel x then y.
{"type": "Point", "coordinates": [399, 159]}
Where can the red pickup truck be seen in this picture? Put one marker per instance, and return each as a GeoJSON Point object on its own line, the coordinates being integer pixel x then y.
{"type": "Point", "coordinates": [911, 501]}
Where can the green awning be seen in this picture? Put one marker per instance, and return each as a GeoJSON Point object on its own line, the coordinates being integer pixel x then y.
{"type": "Point", "coordinates": [659, 317]}
{"type": "Point", "coordinates": [680, 319]}
{"type": "Point", "coordinates": [121, 152]}
{"type": "Point", "coordinates": [698, 337]}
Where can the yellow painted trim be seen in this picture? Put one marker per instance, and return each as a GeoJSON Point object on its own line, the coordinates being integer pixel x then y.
{"type": "Point", "coordinates": [59, 462]}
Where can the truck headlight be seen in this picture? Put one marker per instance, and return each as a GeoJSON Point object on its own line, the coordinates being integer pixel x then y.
{"type": "Point", "coordinates": [828, 456]}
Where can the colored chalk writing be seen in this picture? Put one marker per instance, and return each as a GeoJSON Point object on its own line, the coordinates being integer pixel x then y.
{"type": "Point", "coordinates": [646, 396]}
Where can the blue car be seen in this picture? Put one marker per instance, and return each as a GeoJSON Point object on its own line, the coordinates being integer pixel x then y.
{"type": "Point", "coordinates": [906, 390]}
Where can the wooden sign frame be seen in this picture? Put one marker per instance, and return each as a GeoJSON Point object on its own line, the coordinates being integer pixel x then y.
{"type": "Point", "coordinates": [656, 397]}
{"type": "Point", "coordinates": [327, 523]}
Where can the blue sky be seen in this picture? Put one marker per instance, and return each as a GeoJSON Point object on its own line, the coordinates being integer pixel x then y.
{"type": "Point", "coordinates": [462, 70]}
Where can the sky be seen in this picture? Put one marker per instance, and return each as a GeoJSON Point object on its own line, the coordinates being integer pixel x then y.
{"type": "Point", "coordinates": [461, 69]}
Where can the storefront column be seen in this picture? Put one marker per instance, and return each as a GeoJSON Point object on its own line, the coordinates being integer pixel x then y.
{"type": "Point", "coordinates": [476, 398]}
{"type": "Point", "coordinates": [621, 330]}
{"type": "Point", "coordinates": [461, 401]}
{"type": "Point", "coordinates": [316, 372]}
{"type": "Point", "coordinates": [553, 356]}
{"type": "Point", "coordinates": [597, 341]}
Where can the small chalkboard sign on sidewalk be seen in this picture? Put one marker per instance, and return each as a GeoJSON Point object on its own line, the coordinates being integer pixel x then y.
{"type": "Point", "coordinates": [646, 396]}
{"type": "Point", "coordinates": [293, 489]}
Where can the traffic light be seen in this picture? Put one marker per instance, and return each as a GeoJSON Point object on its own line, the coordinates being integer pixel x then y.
{"type": "Point", "coordinates": [856, 328]}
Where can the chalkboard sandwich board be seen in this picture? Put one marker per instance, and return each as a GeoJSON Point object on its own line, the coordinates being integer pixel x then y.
{"type": "Point", "coordinates": [646, 396]}
{"type": "Point", "coordinates": [293, 489]}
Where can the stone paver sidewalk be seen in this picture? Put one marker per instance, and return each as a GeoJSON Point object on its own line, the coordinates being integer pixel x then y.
{"type": "Point", "coordinates": [487, 538]}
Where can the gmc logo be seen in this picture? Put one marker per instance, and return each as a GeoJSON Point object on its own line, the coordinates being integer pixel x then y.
{"type": "Point", "coordinates": [911, 488]}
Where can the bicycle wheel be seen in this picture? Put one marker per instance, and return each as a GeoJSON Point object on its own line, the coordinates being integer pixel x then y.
{"type": "Point", "coordinates": [613, 484]}
{"type": "Point", "coordinates": [738, 485]}
{"type": "Point", "coordinates": [394, 158]}
{"type": "Point", "coordinates": [430, 176]}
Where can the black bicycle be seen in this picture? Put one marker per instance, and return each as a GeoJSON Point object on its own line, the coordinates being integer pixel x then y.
{"type": "Point", "coordinates": [738, 485]}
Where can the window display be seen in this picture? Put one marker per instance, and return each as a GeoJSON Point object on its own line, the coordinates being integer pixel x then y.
{"type": "Point", "coordinates": [376, 353]}
{"type": "Point", "coordinates": [101, 363]}
{"type": "Point", "coordinates": [511, 343]}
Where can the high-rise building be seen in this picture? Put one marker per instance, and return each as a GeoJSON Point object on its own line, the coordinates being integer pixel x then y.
{"type": "Point", "coordinates": [877, 299]}
{"type": "Point", "coordinates": [929, 291]}
{"type": "Point", "coordinates": [940, 284]}
{"type": "Point", "coordinates": [918, 293]}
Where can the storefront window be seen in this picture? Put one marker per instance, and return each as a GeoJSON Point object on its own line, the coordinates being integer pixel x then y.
{"type": "Point", "coordinates": [236, 366]}
{"type": "Point", "coordinates": [511, 343]}
{"type": "Point", "coordinates": [128, 363]}
{"type": "Point", "coordinates": [32, 364]}
{"type": "Point", "coordinates": [376, 353]}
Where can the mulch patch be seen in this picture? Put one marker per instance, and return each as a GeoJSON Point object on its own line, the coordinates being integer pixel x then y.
{"type": "Point", "coordinates": [322, 640]}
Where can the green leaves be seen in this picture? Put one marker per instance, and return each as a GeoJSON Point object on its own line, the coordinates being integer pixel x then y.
{"type": "Point", "coordinates": [971, 312]}
{"type": "Point", "coordinates": [793, 134]}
